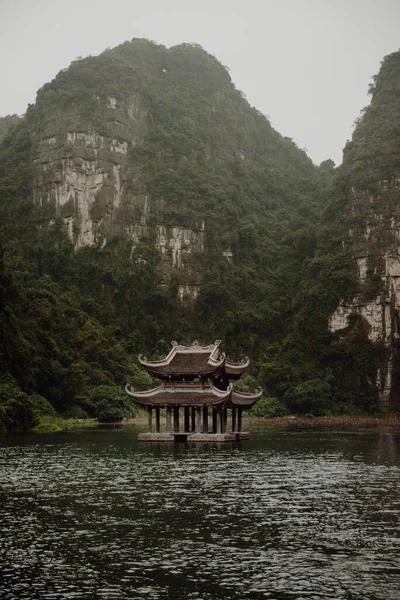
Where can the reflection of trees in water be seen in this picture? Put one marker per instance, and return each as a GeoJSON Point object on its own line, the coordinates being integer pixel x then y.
{"type": "Point", "coordinates": [388, 446]}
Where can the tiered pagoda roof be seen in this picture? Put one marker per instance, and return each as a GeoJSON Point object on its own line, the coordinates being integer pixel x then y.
{"type": "Point", "coordinates": [182, 394]}
{"type": "Point", "coordinates": [190, 362]}
{"type": "Point", "coordinates": [182, 366]}
{"type": "Point", "coordinates": [193, 394]}
{"type": "Point", "coordinates": [196, 379]}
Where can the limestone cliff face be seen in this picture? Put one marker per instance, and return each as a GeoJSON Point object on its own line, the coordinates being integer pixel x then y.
{"type": "Point", "coordinates": [82, 169]}
{"type": "Point", "coordinates": [179, 247]}
{"type": "Point", "coordinates": [376, 243]}
{"type": "Point", "coordinates": [371, 176]}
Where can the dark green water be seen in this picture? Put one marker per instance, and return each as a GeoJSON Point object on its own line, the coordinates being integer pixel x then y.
{"type": "Point", "coordinates": [282, 516]}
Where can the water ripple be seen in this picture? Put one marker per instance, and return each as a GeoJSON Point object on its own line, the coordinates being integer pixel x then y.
{"type": "Point", "coordinates": [286, 517]}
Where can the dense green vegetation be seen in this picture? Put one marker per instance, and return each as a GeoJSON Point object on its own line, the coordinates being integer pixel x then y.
{"type": "Point", "coordinates": [373, 153]}
{"type": "Point", "coordinates": [72, 324]}
{"type": "Point", "coordinates": [7, 122]}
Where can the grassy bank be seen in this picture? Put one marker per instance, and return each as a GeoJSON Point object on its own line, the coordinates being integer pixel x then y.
{"type": "Point", "coordinates": [56, 424]}
{"type": "Point", "coordinates": [346, 421]}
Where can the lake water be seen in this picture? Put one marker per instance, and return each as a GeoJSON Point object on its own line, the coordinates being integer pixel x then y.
{"type": "Point", "coordinates": [285, 515]}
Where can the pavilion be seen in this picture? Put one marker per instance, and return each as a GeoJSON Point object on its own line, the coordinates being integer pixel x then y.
{"type": "Point", "coordinates": [196, 379]}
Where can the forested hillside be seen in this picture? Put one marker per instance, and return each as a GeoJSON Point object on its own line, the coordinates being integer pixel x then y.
{"type": "Point", "coordinates": [7, 122]}
{"type": "Point", "coordinates": [268, 270]}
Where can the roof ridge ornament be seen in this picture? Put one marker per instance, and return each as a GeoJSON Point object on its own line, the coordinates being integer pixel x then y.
{"type": "Point", "coordinates": [217, 342]}
{"type": "Point", "coordinates": [174, 343]}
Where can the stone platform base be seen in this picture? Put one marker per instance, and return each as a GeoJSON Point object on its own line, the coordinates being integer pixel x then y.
{"type": "Point", "coordinates": [193, 437]}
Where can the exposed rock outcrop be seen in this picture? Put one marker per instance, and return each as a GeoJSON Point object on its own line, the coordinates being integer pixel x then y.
{"type": "Point", "coordinates": [371, 177]}
{"type": "Point", "coordinates": [81, 176]}
{"type": "Point", "coordinates": [80, 170]}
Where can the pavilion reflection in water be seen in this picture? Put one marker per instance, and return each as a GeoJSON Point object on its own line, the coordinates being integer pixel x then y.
{"type": "Point", "coordinates": [195, 381]}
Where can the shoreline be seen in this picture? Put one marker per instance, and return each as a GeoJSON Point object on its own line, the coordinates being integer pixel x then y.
{"type": "Point", "coordinates": [347, 421]}
{"type": "Point", "coordinates": [288, 422]}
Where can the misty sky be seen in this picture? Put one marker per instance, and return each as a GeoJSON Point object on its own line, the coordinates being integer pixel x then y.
{"type": "Point", "coordinates": [304, 63]}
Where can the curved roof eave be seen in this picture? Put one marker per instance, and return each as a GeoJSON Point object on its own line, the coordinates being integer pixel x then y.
{"type": "Point", "coordinates": [214, 362]}
{"type": "Point", "coordinates": [245, 399]}
{"type": "Point", "coordinates": [145, 393]}
{"type": "Point", "coordinates": [179, 393]}
{"type": "Point", "coordinates": [237, 367]}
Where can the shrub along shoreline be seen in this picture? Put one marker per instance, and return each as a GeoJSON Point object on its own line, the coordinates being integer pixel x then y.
{"type": "Point", "coordinates": [56, 424]}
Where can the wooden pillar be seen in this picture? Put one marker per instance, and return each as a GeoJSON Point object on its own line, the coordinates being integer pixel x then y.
{"type": "Point", "coordinates": [186, 419]}
{"type": "Point", "coordinates": [168, 419]}
{"type": "Point", "coordinates": [176, 419]}
{"type": "Point", "coordinates": [234, 412]}
{"type": "Point", "coordinates": [219, 420]}
{"type": "Point", "coordinates": [150, 419]}
{"type": "Point", "coordinates": [224, 419]}
{"type": "Point", "coordinates": [198, 419]}
{"type": "Point", "coordinates": [214, 420]}
{"type": "Point", "coordinates": [239, 420]}
{"type": "Point", "coordinates": [205, 419]}
{"type": "Point", "coordinates": [157, 419]}
{"type": "Point", "coordinates": [193, 419]}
